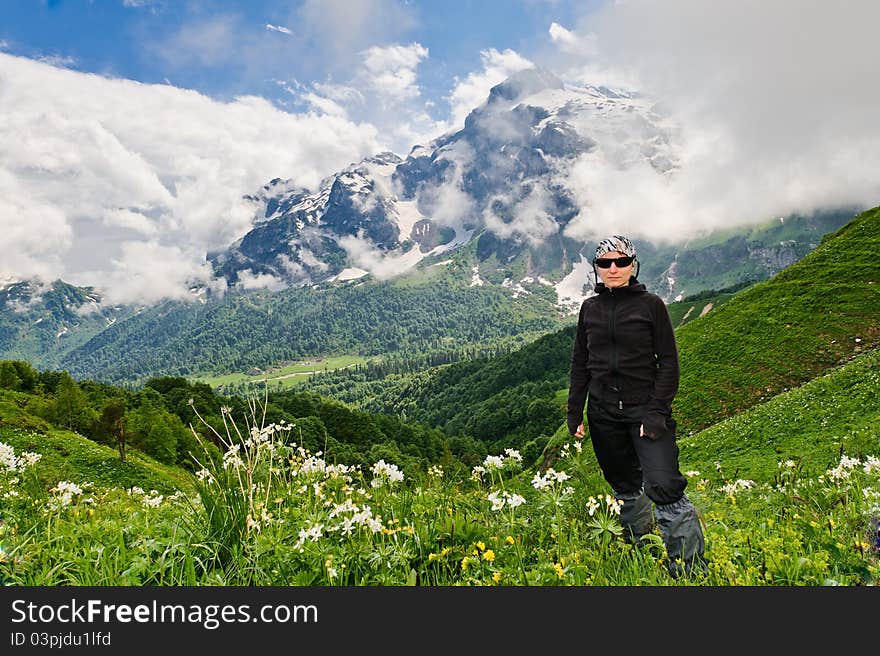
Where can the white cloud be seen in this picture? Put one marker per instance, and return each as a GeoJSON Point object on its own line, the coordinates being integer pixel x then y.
{"type": "Point", "coordinates": [278, 28]}
{"type": "Point", "coordinates": [391, 70]}
{"type": "Point", "coordinates": [247, 279]}
{"type": "Point", "coordinates": [776, 102]}
{"type": "Point", "coordinates": [571, 42]}
{"type": "Point", "coordinates": [105, 179]}
{"type": "Point", "coordinates": [528, 218]}
{"type": "Point", "coordinates": [383, 91]}
{"type": "Point", "coordinates": [474, 89]}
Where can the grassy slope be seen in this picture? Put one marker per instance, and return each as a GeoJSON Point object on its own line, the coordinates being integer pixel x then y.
{"type": "Point", "coordinates": [69, 456]}
{"type": "Point", "coordinates": [835, 414]}
{"type": "Point", "coordinates": [781, 333]}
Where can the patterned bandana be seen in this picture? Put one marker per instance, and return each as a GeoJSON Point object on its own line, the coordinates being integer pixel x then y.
{"type": "Point", "coordinates": [617, 243]}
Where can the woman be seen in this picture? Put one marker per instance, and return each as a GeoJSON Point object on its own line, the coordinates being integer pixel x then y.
{"type": "Point", "coordinates": [625, 360]}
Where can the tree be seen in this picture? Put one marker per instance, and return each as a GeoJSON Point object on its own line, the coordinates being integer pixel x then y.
{"type": "Point", "coordinates": [111, 425]}
{"type": "Point", "coordinates": [71, 408]}
{"type": "Point", "coordinates": [9, 378]}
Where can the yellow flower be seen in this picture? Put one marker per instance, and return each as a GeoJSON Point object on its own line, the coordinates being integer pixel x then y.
{"type": "Point", "coordinates": [464, 564]}
{"type": "Point", "coordinates": [559, 571]}
{"type": "Point", "coordinates": [481, 545]}
{"type": "Point", "coordinates": [509, 539]}
{"type": "Point", "coordinates": [432, 556]}
{"type": "Point", "coordinates": [489, 555]}
{"type": "Point", "coordinates": [496, 577]}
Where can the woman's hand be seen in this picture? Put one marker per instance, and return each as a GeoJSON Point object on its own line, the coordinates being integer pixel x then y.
{"type": "Point", "coordinates": [579, 434]}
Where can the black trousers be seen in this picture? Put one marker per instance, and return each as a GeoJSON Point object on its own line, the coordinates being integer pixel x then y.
{"type": "Point", "coordinates": [630, 462]}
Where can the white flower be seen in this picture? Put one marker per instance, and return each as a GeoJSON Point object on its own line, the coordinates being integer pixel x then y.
{"type": "Point", "coordinates": [539, 482]}
{"type": "Point", "coordinates": [385, 472]}
{"type": "Point", "coordinates": [513, 454]}
{"type": "Point", "coordinates": [737, 485]}
{"type": "Point", "coordinates": [28, 459]}
{"type": "Point", "coordinates": [153, 501]}
{"type": "Point", "coordinates": [8, 461]}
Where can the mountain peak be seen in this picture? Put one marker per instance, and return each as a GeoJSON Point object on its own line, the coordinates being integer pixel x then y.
{"type": "Point", "coordinates": [524, 83]}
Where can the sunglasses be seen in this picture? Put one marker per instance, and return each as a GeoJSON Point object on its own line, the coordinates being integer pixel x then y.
{"type": "Point", "coordinates": [606, 262]}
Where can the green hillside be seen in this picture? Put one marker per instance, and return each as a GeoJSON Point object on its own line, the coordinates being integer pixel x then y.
{"type": "Point", "coordinates": [263, 329]}
{"type": "Point", "coordinates": [68, 456]}
{"type": "Point", "coordinates": [813, 425]}
{"type": "Point", "coordinates": [780, 333]}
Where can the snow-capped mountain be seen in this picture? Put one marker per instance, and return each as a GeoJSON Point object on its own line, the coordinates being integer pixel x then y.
{"type": "Point", "coordinates": [499, 183]}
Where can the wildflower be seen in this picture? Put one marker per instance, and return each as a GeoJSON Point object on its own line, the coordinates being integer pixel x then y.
{"type": "Point", "coordinates": [512, 456]}
{"type": "Point", "coordinates": [481, 545]}
{"type": "Point", "coordinates": [500, 499]}
{"type": "Point", "coordinates": [489, 556]}
{"type": "Point", "coordinates": [732, 488]}
{"type": "Point", "coordinates": [496, 576]}
{"type": "Point", "coordinates": [8, 460]}
{"type": "Point", "coordinates": [509, 540]}
{"type": "Point", "coordinates": [493, 462]}
{"type": "Point", "coordinates": [28, 459]}
{"type": "Point", "coordinates": [153, 501]}
{"type": "Point", "coordinates": [872, 464]}
{"type": "Point", "coordinates": [550, 476]}
{"type": "Point", "coordinates": [385, 473]}
{"type": "Point", "coordinates": [64, 492]}
{"type": "Point", "coordinates": [435, 471]}
{"type": "Point", "coordinates": [560, 572]}
{"type": "Point", "coordinates": [843, 470]}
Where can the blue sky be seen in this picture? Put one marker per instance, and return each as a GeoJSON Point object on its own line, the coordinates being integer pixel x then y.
{"type": "Point", "coordinates": [130, 130]}
{"type": "Point", "coordinates": [228, 48]}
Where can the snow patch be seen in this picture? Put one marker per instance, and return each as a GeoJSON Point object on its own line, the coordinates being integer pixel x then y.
{"type": "Point", "coordinates": [407, 216]}
{"type": "Point", "coordinates": [351, 273]}
{"type": "Point", "coordinates": [570, 290]}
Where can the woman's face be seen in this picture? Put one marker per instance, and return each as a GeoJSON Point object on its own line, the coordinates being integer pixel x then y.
{"type": "Point", "coordinates": [615, 276]}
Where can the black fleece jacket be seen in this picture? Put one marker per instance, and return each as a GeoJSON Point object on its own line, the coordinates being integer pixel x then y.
{"type": "Point", "coordinates": [624, 352]}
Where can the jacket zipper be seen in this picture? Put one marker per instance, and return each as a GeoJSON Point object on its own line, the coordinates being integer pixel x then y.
{"type": "Point", "coordinates": [615, 359]}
